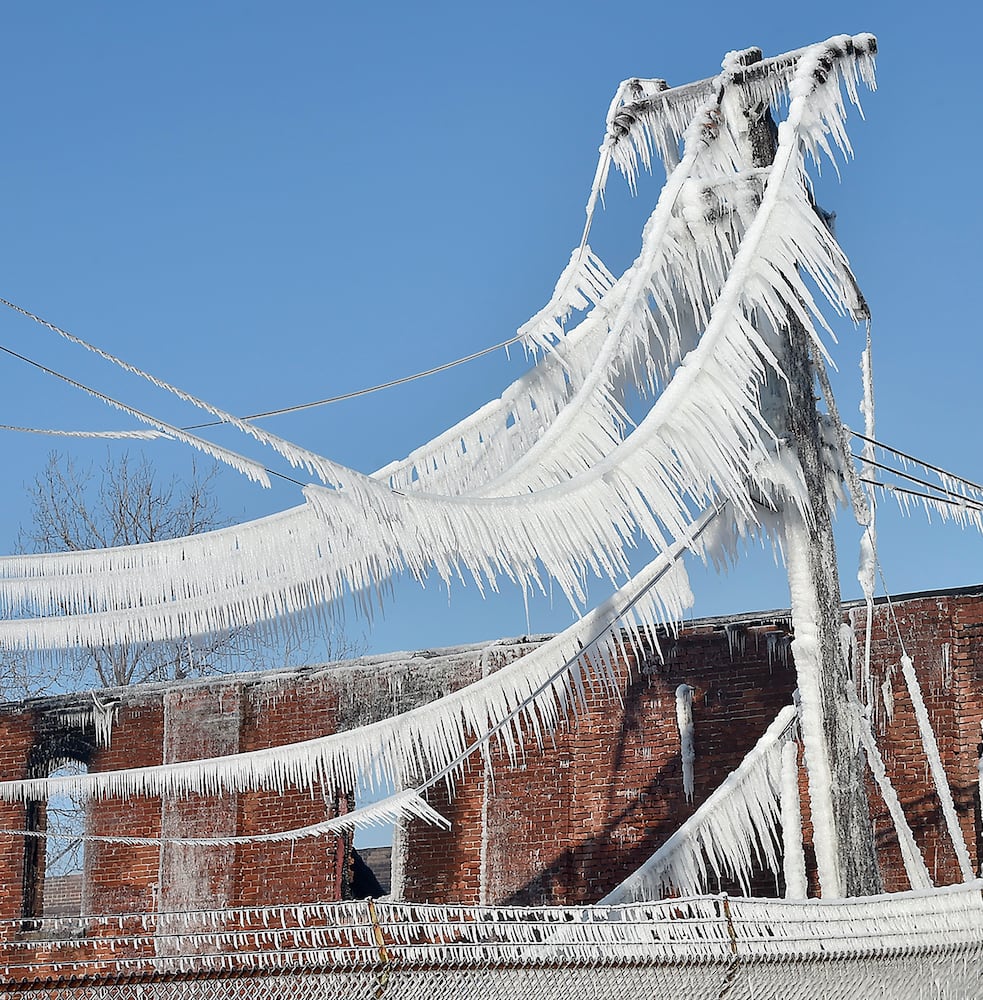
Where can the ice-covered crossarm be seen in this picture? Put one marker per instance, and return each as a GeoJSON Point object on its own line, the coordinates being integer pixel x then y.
{"type": "Point", "coordinates": [651, 120]}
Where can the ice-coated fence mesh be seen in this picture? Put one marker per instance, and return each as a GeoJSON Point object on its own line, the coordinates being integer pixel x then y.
{"type": "Point", "coordinates": [908, 945]}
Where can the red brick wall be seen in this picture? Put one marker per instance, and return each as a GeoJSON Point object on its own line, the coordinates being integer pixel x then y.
{"type": "Point", "coordinates": [567, 825]}
{"type": "Point", "coordinates": [121, 878]}
{"type": "Point", "coordinates": [581, 813]}
{"type": "Point", "coordinates": [586, 810]}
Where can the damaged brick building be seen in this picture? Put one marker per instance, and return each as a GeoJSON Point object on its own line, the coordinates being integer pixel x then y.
{"type": "Point", "coordinates": [563, 825]}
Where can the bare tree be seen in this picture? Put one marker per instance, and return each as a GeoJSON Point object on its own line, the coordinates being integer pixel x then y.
{"type": "Point", "coordinates": [127, 506]}
{"type": "Point", "coordinates": [125, 503]}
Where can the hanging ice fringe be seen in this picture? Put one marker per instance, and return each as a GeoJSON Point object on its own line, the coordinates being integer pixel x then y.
{"type": "Point", "coordinates": [730, 834]}
{"type": "Point", "coordinates": [527, 697]}
{"type": "Point", "coordinates": [583, 282]}
{"type": "Point", "coordinates": [570, 508]}
{"type": "Point", "coordinates": [406, 805]}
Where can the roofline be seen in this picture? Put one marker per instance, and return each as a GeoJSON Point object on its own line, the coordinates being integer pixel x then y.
{"type": "Point", "coordinates": [777, 616]}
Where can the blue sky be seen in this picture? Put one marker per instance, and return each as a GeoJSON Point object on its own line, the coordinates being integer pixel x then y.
{"type": "Point", "coordinates": [271, 203]}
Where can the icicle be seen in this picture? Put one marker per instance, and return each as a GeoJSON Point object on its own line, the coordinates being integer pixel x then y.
{"type": "Point", "coordinates": [736, 638]}
{"type": "Point", "coordinates": [911, 857]}
{"type": "Point", "coordinates": [778, 644]}
{"type": "Point", "coordinates": [687, 745]}
{"type": "Point", "coordinates": [536, 690]}
{"type": "Point", "coordinates": [931, 748]}
{"type": "Point", "coordinates": [887, 695]}
{"type": "Point", "coordinates": [793, 856]}
{"type": "Point", "coordinates": [99, 716]}
{"type": "Point", "coordinates": [584, 281]}
{"type": "Point", "coordinates": [703, 434]}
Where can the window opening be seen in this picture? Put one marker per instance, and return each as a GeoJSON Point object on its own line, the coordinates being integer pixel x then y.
{"type": "Point", "coordinates": [54, 848]}
{"type": "Point", "coordinates": [64, 848]}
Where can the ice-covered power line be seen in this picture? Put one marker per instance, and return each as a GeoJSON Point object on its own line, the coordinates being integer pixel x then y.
{"type": "Point", "coordinates": [121, 435]}
{"type": "Point", "coordinates": [707, 267]}
{"type": "Point", "coordinates": [905, 456]}
{"type": "Point", "coordinates": [529, 696]}
{"type": "Point", "coordinates": [918, 481]}
{"type": "Point", "coordinates": [249, 468]}
{"type": "Point", "coordinates": [958, 509]}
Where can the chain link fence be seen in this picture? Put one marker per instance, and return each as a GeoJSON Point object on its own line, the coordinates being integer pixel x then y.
{"type": "Point", "coordinates": [908, 945]}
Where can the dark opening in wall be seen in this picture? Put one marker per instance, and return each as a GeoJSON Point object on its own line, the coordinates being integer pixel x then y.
{"type": "Point", "coordinates": [54, 845]}
{"type": "Point", "coordinates": [64, 860]}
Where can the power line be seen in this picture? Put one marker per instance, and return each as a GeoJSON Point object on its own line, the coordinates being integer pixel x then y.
{"type": "Point", "coordinates": [958, 497]}
{"type": "Point", "coordinates": [912, 458]}
{"type": "Point", "coordinates": [392, 383]}
{"type": "Point", "coordinates": [366, 391]}
{"type": "Point", "coordinates": [160, 424]}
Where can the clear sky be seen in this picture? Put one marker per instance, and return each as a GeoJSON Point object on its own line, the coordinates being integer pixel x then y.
{"type": "Point", "coordinates": [272, 203]}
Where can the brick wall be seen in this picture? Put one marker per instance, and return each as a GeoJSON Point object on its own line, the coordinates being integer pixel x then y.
{"type": "Point", "coordinates": [584, 811]}
{"type": "Point", "coordinates": [564, 826]}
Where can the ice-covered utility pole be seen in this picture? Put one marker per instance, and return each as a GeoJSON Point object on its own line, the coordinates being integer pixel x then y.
{"type": "Point", "coordinates": [842, 830]}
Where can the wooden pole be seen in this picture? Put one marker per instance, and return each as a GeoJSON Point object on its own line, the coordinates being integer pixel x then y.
{"type": "Point", "coordinates": [846, 855]}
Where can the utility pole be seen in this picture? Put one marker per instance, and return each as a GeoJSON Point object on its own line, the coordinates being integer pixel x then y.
{"type": "Point", "coordinates": [845, 854]}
